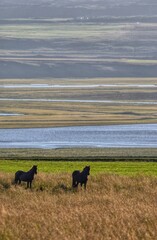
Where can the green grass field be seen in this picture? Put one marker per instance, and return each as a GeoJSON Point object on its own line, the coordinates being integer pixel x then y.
{"type": "Point", "coordinates": [120, 168]}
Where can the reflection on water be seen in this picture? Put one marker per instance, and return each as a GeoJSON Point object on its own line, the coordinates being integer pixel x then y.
{"type": "Point", "coordinates": [79, 101]}
{"type": "Point", "coordinates": [10, 114]}
{"type": "Point", "coordinates": [132, 136]}
{"type": "Point", "coordinates": [76, 86]}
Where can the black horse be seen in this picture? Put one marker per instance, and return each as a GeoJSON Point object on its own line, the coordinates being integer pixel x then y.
{"type": "Point", "coordinates": [26, 176]}
{"type": "Point", "coordinates": [80, 177]}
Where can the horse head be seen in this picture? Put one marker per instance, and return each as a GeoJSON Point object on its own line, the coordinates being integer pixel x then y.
{"type": "Point", "coordinates": [87, 170]}
{"type": "Point", "coordinates": [35, 169]}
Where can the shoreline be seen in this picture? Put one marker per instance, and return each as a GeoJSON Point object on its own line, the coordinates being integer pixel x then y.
{"type": "Point", "coordinates": [81, 154]}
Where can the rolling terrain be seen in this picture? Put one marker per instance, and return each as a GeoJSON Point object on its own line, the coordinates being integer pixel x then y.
{"type": "Point", "coordinates": [78, 39]}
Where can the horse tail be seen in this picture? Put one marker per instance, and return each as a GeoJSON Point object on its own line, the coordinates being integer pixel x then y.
{"type": "Point", "coordinates": [73, 181]}
{"type": "Point", "coordinates": [17, 177]}
{"type": "Point", "coordinates": [74, 178]}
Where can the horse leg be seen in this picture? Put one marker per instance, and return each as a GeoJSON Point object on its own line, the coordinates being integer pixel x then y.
{"type": "Point", "coordinates": [16, 180]}
{"type": "Point", "coordinates": [30, 183]}
{"type": "Point", "coordinates": [85, 184]}
{"type": "Point", "coordinates": [74, 183]}
{"type": "Point", "coordinates": [27, 184]}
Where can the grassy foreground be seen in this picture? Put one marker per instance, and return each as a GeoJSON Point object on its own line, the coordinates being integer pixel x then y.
{"type": "Point", "coordinates": [113, 207]}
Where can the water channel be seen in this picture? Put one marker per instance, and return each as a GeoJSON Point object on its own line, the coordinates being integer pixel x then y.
{"type": "Point", "coordinates": [120, 136]}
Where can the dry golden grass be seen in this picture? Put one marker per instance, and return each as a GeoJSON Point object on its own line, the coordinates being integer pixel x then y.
{"type": "Point", "coordinates": [113, 207]}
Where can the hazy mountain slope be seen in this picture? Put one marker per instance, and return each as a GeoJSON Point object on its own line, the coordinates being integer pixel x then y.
{"type": "Point", "coordinates": [78, 38]}
{"type": "Point", "coordinates": [75, 8]}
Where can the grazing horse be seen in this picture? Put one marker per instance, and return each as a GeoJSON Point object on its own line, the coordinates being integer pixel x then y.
{"type": "Point", "coordinates": [26, 176]}
{"type": "Point", "coordinates": [80, 177]}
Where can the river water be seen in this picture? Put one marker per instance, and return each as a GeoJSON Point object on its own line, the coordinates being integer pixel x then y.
{"type": "Point", "coordinates": [80, 101]}
{"type": "Point", "coordinates": [121, 136]}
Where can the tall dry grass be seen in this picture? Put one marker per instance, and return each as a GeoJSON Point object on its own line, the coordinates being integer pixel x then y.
{"type": "Point", "coordinates": [113, 207]}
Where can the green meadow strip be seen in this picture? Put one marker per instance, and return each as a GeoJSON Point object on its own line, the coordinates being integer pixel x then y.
{"type": "Point", "coordinates": [120, 168]}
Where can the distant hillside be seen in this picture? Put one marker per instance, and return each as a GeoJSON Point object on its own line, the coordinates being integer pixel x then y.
{"type": "Point", "coordinates": [76, 8]}
{"type": "Point", "coordinates": [78, 38]}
